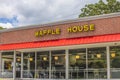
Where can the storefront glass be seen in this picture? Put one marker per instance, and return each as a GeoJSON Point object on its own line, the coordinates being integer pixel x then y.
{"type": "Point", "coordinates": [58, 64]}
{"type": "Point", "coordinates": [90, 63]}
{"type": "Point", "coordinates": [29, 65]}
{"type": "Point", "coordinates": [77, 64]}
{"type": "Point", "coordinates": [115, 62]}
{"type": "Point", "coordinates": [18, 65]}
{"type": "Point", "coordinates": [83, 63]}
{"type": "Point", "coordinates": [7, 65]}
{"type": "Point", "coordinates": [97, 63]}
{"type": "Point", "coordinates": [42, 63]}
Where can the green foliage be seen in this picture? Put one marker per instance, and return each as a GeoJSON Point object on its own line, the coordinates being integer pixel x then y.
{"type": "Point", "coordinates": [1, 28]}
{"type": "Point", "coordinates": [110, 6]}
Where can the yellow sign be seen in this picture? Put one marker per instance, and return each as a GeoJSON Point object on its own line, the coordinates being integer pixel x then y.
{"type": "Point", "coordinates": [83, 28]}
{"type": "Point", "coordinates": [48, 32]}
{"type": "Point", "coordinates": [72, 29]}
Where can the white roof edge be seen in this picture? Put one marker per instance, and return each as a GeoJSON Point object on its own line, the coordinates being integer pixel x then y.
{"type": "Point", "coordinates": [64, 21]}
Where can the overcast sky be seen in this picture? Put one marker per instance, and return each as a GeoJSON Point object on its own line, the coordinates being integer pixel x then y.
{"type": "Point", "coordinates": [15, 13]}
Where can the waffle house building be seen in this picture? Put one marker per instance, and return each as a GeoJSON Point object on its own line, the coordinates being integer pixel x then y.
{"type": "Point", "coordinates": [85, 49]}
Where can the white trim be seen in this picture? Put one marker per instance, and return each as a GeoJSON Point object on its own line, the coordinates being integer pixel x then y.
{"type": "Point", "coordinates": [71, 47]}
{"type": "Point", "coordinates": [14, 65]}
{"type": "Point", "coordinates": [21, 64]}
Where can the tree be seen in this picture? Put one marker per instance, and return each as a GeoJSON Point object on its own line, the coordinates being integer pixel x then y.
{"type": "Point", "coordinates": [110, 6]}
{"type": "Point", "coordinates": [1, 28]}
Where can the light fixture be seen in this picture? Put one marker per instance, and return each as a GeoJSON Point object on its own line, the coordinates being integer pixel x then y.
{"type": "Point", "coordinates": [98, 55]}
{"type": "Point", "coordinates": [18, 59]}
{"type": "Point", "coordinates": [31, 59]}
{"type": "Point", "coordinates": [113, 54]}
{"type": "Point", "coordinates": [77, 57]}
{"type": "Point", "coordinates": [45, 58]}
{"type": "Point", "coordinates": [56, 57]}
{"type": "Point", "coordinates": [65, 57]}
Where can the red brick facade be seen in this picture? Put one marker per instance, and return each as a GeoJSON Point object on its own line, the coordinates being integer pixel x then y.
{"type": "Point", "coordinates": [110, 25]}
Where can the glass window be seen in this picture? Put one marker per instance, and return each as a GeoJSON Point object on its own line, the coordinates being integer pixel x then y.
{"type": "Point", "coordinates": [58, 64]}
{"type": "Point", "coordinates": [18, 65]}
{"type": "Point", "coordinates": [42, 65]}
{"type": "Point", "coordinates": [115, 61]}
{"type": "Point", "coordinates": [29, 65]}
{"type": "Point", "coordinates": [77, 64]}
{"type": "Point", "coordinates": [7, 65]}
{"type": "Point", "coordinates": [97, 63]}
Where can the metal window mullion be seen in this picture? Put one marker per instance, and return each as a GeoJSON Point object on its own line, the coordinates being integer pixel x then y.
{"type": "Point", "coordinates": [67, 64]}
{"type": "Point", "coordinates": [14, 65]}
{"type": "Point", "coordinates": [21, 64]}
{"type": "Point", "coordinates": [108, 62]}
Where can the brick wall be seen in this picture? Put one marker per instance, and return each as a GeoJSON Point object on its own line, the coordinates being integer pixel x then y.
{"type": "Point", "coordinates": [102, 26]}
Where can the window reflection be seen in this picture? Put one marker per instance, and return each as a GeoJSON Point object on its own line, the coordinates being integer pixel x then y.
{"type": "Point", "coordinates": [58, 64]}
{"type": "Point", "coordinates": [7, 65]}
{"type": "Point", "coordinates": [97, 63]}
{"type": "Point", "coordinates": [42, 65]}
{"type": "Point", "coordinates": [77, 63]}
{"type": "Point", "coordinates": [90, 63]}
{"type": "Point", "coordinates": [115, 61]}
{"type": "Point", "coordinates": [18, 65]}
{"type": "Point", "coordinates": [29, 65]}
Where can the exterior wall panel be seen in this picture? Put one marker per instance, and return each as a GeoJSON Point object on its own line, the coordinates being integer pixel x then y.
{"type": "Point", "coordinates": [102, 26]}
